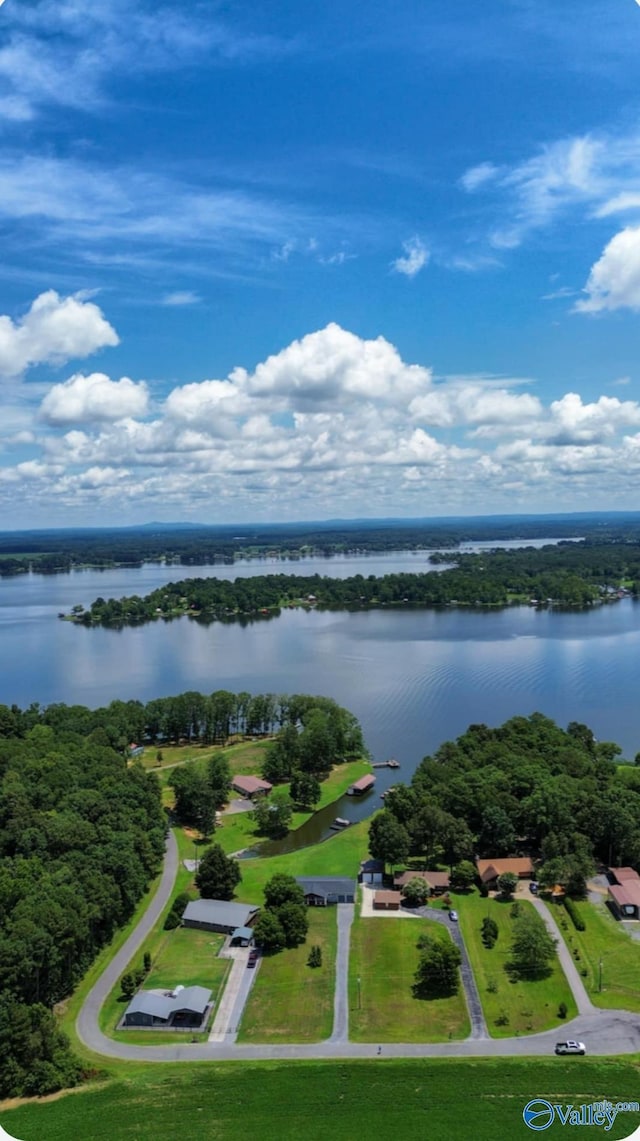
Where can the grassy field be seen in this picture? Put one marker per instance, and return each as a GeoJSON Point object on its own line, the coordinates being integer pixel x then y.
{"type": "Point", "coordinates": [384, 956]}
{"type": "Point", "coordinates": [522, 1007]}
{"type": "Point", "coordinates": [605, 939]}
{"type": "Point", "coordinates": [244, 756]}
{"type": "Point", "coordinates": [346, 1101]}
{"type": "Point", "coordinates": [338, 856]}
{"type": "Point", "coordinates": [291, 1002]}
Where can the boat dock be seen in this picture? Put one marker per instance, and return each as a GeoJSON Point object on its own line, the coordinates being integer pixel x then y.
{"type": "Point", "coordinates": [391, 764]}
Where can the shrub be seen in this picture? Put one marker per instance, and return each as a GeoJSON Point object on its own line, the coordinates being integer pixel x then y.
{"type": "Point", "coordinates": [147, 962]}
{"type": "Point", "coordinates": [489, 932]}
{"type": "Point", "coordinates": [172, 921]}
{"type": "Point", "coordinates": [128, 985]}
{"type": "Point", "coordinates": [574, 914]}
{"type": "Point", "coordinates": [563, 1010]}
{"type": "Point", "coordinates": [514, 910]}
{"type": "Point", "coordinates": [315, 956]}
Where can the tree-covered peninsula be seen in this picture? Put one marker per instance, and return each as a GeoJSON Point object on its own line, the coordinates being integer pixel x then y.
{"type": "Point", "coordinates": [568, 575]}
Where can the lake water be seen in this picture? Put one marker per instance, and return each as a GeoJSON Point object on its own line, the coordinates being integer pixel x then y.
{"type": "Point", "coordinates": [413, 678]}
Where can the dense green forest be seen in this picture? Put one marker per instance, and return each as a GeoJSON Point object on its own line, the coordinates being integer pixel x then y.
{"type": "Point", "coordinates": [81, 836]}
{"type": "Point", "coordinates": [528, 786]}
{"type": "Point", "coordinates": [571, 574]}
{"type": "Point", "coordinates": [51, 552]}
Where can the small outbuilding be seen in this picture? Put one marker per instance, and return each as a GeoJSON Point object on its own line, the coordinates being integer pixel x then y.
{"type": "Point", "coordinates": [250, 786]}
{"type": "Point", "coordinates": [218, 915]}
{"type": "Point", "coordinates": [242, 937]}
{"type": "Point", "coordinates": [624, 893]}
{"type": "Point", "coordinates": [365, 784]}
{"type": "Point", "coordinates": [182, 1008]}
{"type": "Point", "coordinates": [386, 900]}
{"type": "Point", "coordinates": [371, 872]}
{"type": "Point", "coordinates": [325, 890]}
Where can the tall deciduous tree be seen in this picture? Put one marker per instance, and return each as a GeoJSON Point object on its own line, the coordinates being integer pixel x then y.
{"type": "Point", "coordinates": [218, 875]}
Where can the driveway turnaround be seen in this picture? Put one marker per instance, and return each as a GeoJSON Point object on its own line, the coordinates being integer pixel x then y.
{"type": "Point", "coordinates": [604, 1032]}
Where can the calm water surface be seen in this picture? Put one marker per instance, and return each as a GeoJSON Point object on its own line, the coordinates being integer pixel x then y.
{"type": "Point", "coordinates": [413, 678]}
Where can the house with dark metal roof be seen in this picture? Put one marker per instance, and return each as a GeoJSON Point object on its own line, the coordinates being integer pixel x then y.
{"type": "Point", "coordinates": [218, 915]}
{"type": "Point", "coordinates": [320, 891]}
{"type": "Point", "coordinates": [183, 1007]}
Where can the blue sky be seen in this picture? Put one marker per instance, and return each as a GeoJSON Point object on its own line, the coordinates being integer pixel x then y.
{"type": "Point", "coordinates": [292, 260]}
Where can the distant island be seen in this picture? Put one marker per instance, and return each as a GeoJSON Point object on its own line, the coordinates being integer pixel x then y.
{"type": "Point", "coordinates": [564, 575]}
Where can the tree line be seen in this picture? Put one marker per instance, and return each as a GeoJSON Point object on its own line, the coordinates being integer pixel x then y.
{"type": "Point", "coordinates": [50, 552]}
{"type": "Point", "coordinates": [567, 575]}
{"type": "Point", "coordinates": [528, 786]}
{"type": "Point", "coordinates": [82, 834]}
{"type": "Point", "coordinates": [190, 717]}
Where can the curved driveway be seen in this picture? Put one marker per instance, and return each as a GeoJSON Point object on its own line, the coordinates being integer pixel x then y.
{"type": "Point", "coordinates": [603, 1031]}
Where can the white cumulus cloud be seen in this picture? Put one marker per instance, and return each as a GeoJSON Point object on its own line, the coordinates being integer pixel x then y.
{"type": "Point", "coordinates": [94, 398]}
{"type": "Point", "coordinates": [614, 280]}
{"type": "Point", "coordinates": [54, 330]}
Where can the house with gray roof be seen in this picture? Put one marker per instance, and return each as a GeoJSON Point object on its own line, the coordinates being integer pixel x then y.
{"type": "Point", "coordinates": [319, 891]}
{"type": "Point", "coordinates": [218, 915]}
{"type": "Point", "coordinates": [183, 1007]}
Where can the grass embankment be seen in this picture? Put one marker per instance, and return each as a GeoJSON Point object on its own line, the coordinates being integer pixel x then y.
{"type": "Point", "coordinates": [524, 1006]}
{"type": "Point", "coordinates": [338, 856]}
{"type": "Point", "coordinates": [604, 940]}
{"type": "Point", "coordinates": [245, 757]}
{"type": "Point", "coordinates": [290, 1001]}
{"type": "Point", "coordinates": [408, 1100]}
{"type": "Point", "coordinates": [384, 956]}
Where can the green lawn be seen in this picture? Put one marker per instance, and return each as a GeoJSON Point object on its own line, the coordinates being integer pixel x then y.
{"type": "Point", "coordinates": [407, 1100]}
{"type": "Point", "coordinates": [291, 1002]}
{"type": "Point", "coordinates": [529, 1006]}
{"type": "Point", "coordinates": [182, 956]}
{"type": "Point", "coordinates": [338, 856]}
{"type": "Point", "coordinates": [605, 939]}
{"type": "Point", "coordinates": [384, 956]}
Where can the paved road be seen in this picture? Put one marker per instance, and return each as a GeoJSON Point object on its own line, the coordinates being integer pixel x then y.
{"type": "Point", "coordinates": [603, 1031]}
{"type": "Point", "coordinates": [87, 1023]}
{"type": "Point", "coordinates": [340, 1031]}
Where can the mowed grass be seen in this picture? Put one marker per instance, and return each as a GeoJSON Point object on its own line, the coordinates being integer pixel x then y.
{"type": "Point", "coordinates": [604, 939]}
{"type": "Point", "coordinates": [526, 1006]}
{"type": "Point", "coordinates": [290, 1001]}
{"type": "Point", "coordinates": [244, 756]}
{"type": "Point", "coordinates": [338, 856]}
{"type": "Point", "coordinates": [184, 956]}
{"type": "Point", "coordinates": [407, 1100]}
{"type": "Point", "coordinates": [384, 956]}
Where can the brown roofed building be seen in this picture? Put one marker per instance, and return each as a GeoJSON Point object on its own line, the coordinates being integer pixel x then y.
{"type": "Point", "coordinates": [250, 786]}
{"type": "Point", "coordinates": [437, 882]}
{"type": "Point", "coordinates": [386, 900]}
{"type": "Point", "coordinates": [489, 870]}
{"type": "Point", "coordinates": [624, 895]}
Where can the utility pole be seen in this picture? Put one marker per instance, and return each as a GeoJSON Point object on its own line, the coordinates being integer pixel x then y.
{"type": "Point", "coordinates": [359, 993]}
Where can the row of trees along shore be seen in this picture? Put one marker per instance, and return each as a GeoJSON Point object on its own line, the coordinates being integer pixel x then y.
{"type": "Point", "coordinates": [570, 575]}
{"type": "Point", "coordinates": [527, 787]}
